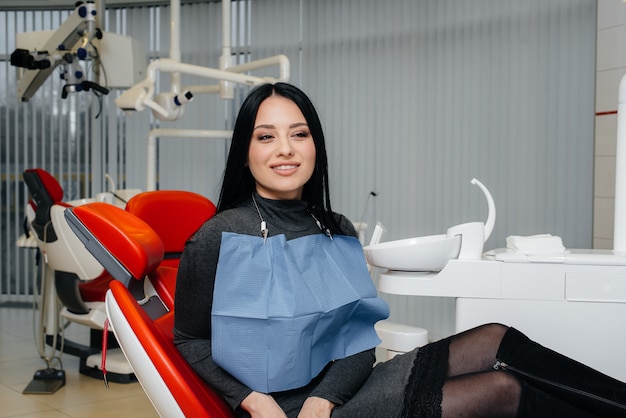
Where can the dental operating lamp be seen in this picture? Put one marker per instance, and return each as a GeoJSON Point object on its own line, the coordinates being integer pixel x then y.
{"type": "Point", "coordinates": [67, 47]}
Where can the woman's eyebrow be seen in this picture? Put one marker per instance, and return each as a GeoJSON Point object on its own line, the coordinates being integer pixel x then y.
{"type": "Point", "coordinates": [293, 125]}
{"type": "Point", "coordinates": [264, 127]}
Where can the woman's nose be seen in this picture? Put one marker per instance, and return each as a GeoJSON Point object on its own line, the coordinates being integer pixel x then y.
{"type": "Point", "coordinates": [284, 147]}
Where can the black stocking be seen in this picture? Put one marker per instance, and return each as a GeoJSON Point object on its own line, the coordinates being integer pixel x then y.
{"type": "Point", "coordinates": [472, 387]}
{"type": "Point", "coordinates": [455, 377]}
{"type": "Point", "coordinates": [486, 394]}
{"type": "Point", "coordinates": [475, 350]}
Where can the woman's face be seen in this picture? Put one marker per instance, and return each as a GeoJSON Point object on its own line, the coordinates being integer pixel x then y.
{"type": "Point", "coordinates": [281, 156]}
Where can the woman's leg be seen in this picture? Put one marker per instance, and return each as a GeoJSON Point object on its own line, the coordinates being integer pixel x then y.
{"type": "Point", "coordinates": [472, 387]}
{"type": "Point", "coordinates": [475, 350]}
{"type": "Point", "coordinates": [455, 377]}
{"type": "Point", "coordinates": [485, 394]}
{"type": "Point", "coordinates": [499, 394]}
{"type": "Point", "coordinates": [469, 385]}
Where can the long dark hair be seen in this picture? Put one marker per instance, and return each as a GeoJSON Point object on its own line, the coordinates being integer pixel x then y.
{"type": "Point", "coordinates": [238, 183]}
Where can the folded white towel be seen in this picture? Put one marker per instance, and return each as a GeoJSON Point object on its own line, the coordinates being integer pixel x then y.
{"type": "Point", "coordinates": [535, 244]}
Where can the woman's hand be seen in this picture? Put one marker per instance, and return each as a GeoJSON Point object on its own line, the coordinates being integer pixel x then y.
{"type": "Point", "coordinates": [260, 405]}
{"type": "Point", "coordinates": [315, 407]}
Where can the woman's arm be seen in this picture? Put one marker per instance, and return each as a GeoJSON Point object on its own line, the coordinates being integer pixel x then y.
{"type": "Point", "coordinates": [194, 300]}
{"type": "Point", "coordinates": [345, 377]}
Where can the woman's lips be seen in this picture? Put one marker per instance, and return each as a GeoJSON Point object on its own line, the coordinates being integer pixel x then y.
{"type": "Point", "coordinates": [285, 169]}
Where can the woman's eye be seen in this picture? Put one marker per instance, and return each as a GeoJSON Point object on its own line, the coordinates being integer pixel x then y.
{"type": "Point", "coordinates": [265, 137]}
{"type": "Point", "coordinates": [304, 134]}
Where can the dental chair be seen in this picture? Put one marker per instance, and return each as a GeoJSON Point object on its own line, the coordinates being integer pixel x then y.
{"type": "Point", "coordinates": [72, 274]}
{"type": "Point", "coordinates": [132, 251]}
{"type": "Point", "coordinates": [174, 215]}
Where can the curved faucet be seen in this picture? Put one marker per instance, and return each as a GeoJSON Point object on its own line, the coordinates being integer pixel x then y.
{"type": "Point", "coordinates": [491, 217]}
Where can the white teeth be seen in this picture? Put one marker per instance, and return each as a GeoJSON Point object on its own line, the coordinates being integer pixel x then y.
{"type": "Point", "coordinates": [285, 167]}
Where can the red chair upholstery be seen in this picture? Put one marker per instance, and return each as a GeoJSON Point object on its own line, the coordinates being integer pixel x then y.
{"type": "Point", "coordinates": [119, 232]}
{"type": "Point", "coordinates": [117, 237]}
{"type": "Point", "coordinates": [49, 183]}
{"type": "Point", "coordinates": [125, 245]}
{"type": "Point", "coordinates": [174, 214]}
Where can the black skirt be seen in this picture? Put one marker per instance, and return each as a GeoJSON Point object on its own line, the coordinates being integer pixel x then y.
{"type": "Point", "coordinates": [409, 385]}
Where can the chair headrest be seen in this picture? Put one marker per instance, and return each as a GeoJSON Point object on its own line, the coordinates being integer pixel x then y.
{"type": "Point", "coordinates": [39, 180]}
{"type": "Point", "coordinates": [45, 192]}
{"type": "Point", "coordinates": [124, 244]}
{"type": "Point", "coordinates": [174, 214]}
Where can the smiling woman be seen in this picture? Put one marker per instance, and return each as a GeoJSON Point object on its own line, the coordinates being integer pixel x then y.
{"type": "Point", "coordinates": [280, 320]}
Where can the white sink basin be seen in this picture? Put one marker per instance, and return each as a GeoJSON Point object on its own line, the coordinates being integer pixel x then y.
{"type": "Point", "coordinates": [428, 253]}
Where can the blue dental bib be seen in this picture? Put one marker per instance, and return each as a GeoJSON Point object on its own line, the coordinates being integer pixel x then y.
{"type": "Point", "coordinates": [284, 309]}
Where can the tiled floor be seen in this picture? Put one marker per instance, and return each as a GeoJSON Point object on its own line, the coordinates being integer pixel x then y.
{"type": "Point", "coordinates": [81, 397]}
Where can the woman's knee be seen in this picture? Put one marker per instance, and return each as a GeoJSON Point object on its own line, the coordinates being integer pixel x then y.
{"type": "Point", "coordinates": [496, 326]}
{"type": "Point", "coordinates": [508, 388]}
{"type": "Point", "coordinates": [494, 330]}
{"type": "Point", "coordinates": [507, 383]}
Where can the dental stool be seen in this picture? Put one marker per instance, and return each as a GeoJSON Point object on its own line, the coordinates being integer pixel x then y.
{"type": "Point", "coordinates": [132, 252]}
{"type": "Point", "coordinates": [174, 215]}
{"type": "Point", "coordinates": [72, 274]}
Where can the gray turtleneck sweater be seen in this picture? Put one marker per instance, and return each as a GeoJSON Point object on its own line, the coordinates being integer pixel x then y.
{"type": "Point", "coordinates": [194, 297]}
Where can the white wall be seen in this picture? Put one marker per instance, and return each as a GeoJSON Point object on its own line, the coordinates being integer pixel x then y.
{"type": "Point", "coordinates": [611, 66]}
